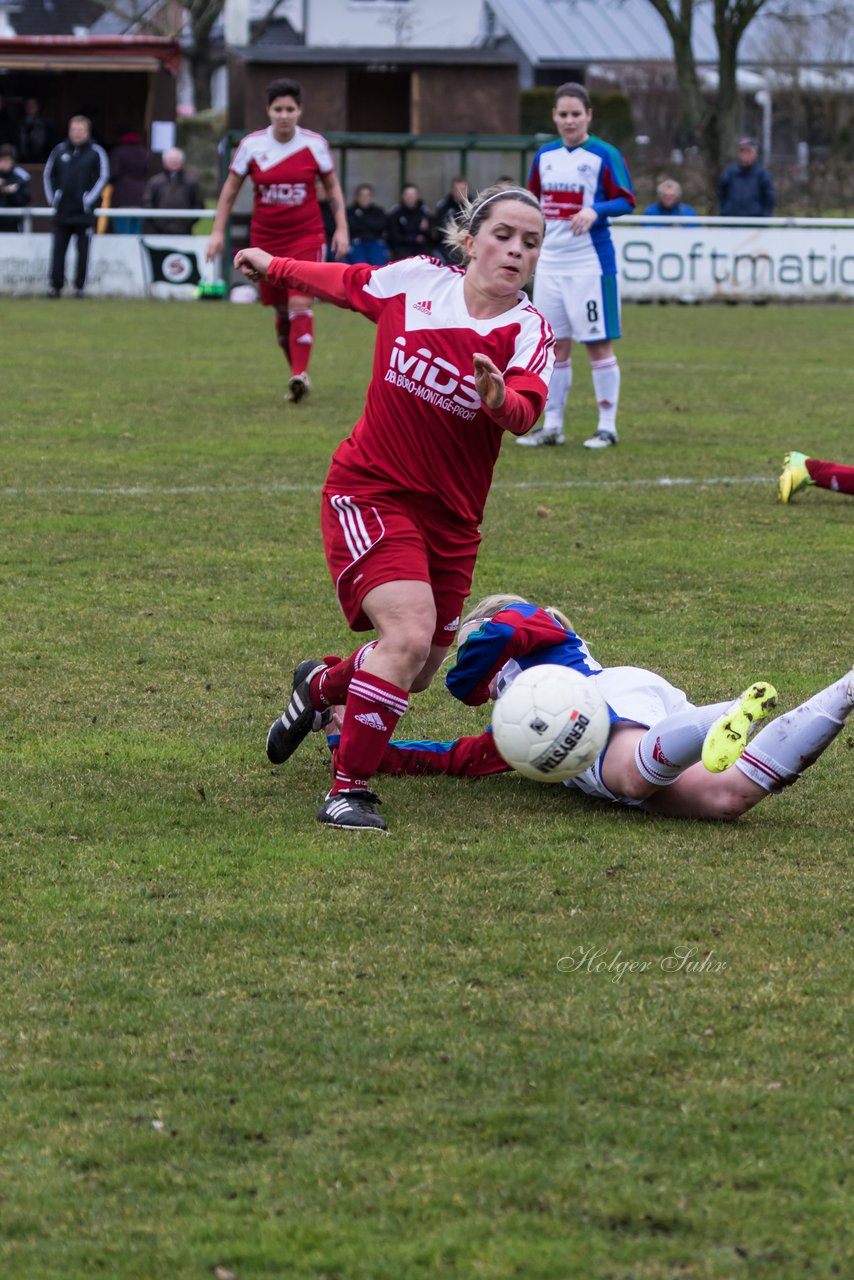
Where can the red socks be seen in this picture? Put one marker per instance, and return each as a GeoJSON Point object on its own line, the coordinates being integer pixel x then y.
{"type": "Point", "coordinates": [300, 340]}
{"type": "Point", "coordinates": [283, 331]}
{"type": "Point", "coordinates": [329, 689]}
{"type": "Point", "coordinates": [831, 475]}
{"type": "Point", "coordinates": [373, 709]}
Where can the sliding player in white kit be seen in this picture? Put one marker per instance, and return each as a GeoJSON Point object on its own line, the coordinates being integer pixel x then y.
{"type": "Point", "coordinates": [580, 182]}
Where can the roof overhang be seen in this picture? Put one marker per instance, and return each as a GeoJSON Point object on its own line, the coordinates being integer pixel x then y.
{"type": "Point", "coordinates": [91, 53]}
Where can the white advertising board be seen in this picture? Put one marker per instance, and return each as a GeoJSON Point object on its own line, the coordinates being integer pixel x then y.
{"type": "Point", "coordinates": [697, 260]}
{"type": "Point", "coordinates": [707, 261]}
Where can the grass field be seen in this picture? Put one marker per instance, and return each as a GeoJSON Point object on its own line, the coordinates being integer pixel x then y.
{"type": "Point", "coordinates": [236, 1044]}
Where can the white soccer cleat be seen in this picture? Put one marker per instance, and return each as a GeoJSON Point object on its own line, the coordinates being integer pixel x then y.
{"type": "Point", "coordinates": [601, 440]}
{"type": "Point", "coordinates": [541, 436]}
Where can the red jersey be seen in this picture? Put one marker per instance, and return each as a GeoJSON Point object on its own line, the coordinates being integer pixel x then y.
{"type": "Point", "coordinates": [286, 209]}
{"type": "Point", "coordinates": [424, 430]}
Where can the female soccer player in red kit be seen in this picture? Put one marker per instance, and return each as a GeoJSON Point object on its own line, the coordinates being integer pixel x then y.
{"type": "Point", "coordinates": [283, 162]}
{"type": "Point", "coordinates": [461, 356]}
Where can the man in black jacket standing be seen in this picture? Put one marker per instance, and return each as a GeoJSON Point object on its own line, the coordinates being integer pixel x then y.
{"type": "Point", "coordinates": [74, 177]}
{"type": "Point", "coordinates": [745, 189]}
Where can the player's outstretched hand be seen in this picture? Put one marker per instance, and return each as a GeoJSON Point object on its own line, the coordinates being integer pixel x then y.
{"type": "Point", "coordinates": [254, 263]}
{"type": "Point", "coordinates": [489, 381]}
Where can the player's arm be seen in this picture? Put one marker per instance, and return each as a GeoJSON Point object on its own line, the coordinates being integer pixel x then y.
{"type": "Point", "coordinates": [514, 632]}
{"type": "Point", "coordinates": [338, 209]}
{"type": "Point", "coordinates": [324, 280]}
{"type": "Point", "coordinates": [224, 206]}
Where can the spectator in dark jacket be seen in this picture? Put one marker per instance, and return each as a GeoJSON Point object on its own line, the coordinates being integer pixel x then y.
{"type": "Point", "coordinates": [14, 187]}
{"type": "Point", "coordinates": [128, 174]}
{"type": "Point", "coordinates": [35, 135]}
{"type": "Point", "coordinates": [171, 189]}
{"type": "Point", "coordinates": [447, 211]}
{"type": "Point", "coordinates": [745, 189]}
{"type": "Point", "coordinates": [366, 222]}
{"type": "Point", "coordinates": [408, 225]}
{"type": "Point", "coordinates": [74, 177]}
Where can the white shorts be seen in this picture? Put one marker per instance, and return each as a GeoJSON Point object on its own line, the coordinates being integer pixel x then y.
{"type": "Point", "coordinates": [585, 308]}
{"type": "Point", "coordinates": [639, 697]}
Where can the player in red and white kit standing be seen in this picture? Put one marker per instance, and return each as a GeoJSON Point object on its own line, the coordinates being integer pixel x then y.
{"type": "Point", "coordinates": [461, 356]}
{"type": "Point", "coordinates": [284, 161]}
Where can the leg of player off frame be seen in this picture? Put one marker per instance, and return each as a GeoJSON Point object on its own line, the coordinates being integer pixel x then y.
{"type": "Point", "coordinates": [638, 762]}
{"type": "Point", "coordinates": [779, 754]}
{"type": "Point", "coordinates": [551, 432]}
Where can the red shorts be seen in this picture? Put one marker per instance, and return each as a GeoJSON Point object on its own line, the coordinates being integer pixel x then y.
{"type": "Point", "coordinates": [274, 295]}
{"type": "Point", "coordinates": [371, 541]}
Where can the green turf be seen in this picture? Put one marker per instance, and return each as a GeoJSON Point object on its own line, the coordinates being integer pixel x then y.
{"type": "Point", "coordinates": [233, 1040]}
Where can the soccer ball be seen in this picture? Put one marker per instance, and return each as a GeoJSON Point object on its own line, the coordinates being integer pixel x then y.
{"type": "Point", "coordinates": [551, 723]}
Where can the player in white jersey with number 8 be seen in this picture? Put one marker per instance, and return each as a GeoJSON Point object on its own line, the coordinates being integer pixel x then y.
{"type": "Point", "coordinates": [580, 182]}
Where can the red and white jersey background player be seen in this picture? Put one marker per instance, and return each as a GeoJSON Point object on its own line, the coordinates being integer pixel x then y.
{"type": "Point", "coordinates": [284, 163]}
{"type": "Point", "coordinates": [461, 356]}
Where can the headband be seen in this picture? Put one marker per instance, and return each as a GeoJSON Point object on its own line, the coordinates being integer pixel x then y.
{"type": "Point", "coordinates": [506, 191]}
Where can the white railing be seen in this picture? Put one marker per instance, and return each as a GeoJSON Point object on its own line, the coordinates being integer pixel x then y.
{"type": "Point", "coordinates": [26, 214]}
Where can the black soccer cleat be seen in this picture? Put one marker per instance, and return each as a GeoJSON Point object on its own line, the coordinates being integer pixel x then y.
{"type": "Point", "coordinates": [298, 718]}
{"type": "Point", "coordinates": [351, 811]}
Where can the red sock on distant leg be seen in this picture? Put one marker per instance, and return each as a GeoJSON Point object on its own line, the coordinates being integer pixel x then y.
{"type": "Point", "coordinates": [330, 688]}
{"type": "Point", "coordinates": [374, 707]}
{"type": "Point", "coordinates": [283, 331]}
{"type": "Point", "coordinates": [831, 475]}
{"type": "Point", "coordinates": [302, 336]}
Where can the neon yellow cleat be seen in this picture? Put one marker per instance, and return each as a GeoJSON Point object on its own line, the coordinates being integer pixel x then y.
{"type": "Point", "coordinates": [728, 736]}
{"type": "Point", "coordinates": [795, 475]}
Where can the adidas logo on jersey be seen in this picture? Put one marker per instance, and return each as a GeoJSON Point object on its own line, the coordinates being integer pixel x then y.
{"type": "Point", "coordinates": [372, 719]}
{"type": "Point", "coordinates": [424, 307]}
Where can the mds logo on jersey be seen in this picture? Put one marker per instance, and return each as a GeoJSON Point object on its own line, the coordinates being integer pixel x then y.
{"type": "Point", "coordinates": [434, 379]}
{"type": "Point", "coordinates": [290, 194]}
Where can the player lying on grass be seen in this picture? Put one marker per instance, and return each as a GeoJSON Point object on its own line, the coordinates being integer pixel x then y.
{"type": "Point", "coordinates": [658, 738]}
{"type": "Point", "coordinates": [800, 471]}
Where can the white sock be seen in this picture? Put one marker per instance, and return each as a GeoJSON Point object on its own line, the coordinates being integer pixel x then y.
{"type": "Point", "coordinates": [781, 751]}
{"type": "Point", "coordinates": [559, 388]}
{"type": "Point", "coordinates": [675, 742]}
{"type": "Point", "coordinates": [606, 385]}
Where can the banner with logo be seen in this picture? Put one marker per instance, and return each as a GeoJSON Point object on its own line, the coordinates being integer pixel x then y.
{"type": "Point", "coordinates": [696, 261]}
{"type": "Point", "coordinates": [174, 265]}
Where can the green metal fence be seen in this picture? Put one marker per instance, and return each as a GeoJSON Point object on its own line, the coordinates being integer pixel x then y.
{"type": "Point", "coordinates": [389, 160]}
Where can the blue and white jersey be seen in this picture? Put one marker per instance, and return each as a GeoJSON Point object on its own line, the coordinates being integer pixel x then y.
{"type": "Point", "coordinates": [566, 179]}
{"type": "Point", "coordinates": [520, 635]}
